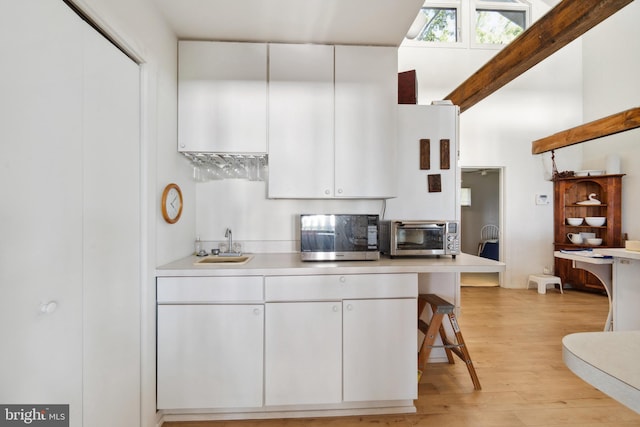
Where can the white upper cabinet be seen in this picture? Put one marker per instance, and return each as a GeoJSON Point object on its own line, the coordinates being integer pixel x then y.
{"type": "Point", "coordinates": [301, 127]}
{"type": "Point", "coordinates": [366, 98]}
{"type": "Point", "coordinates": [332, 121]}
{"type": "Point", "coordinates": [222, 97]}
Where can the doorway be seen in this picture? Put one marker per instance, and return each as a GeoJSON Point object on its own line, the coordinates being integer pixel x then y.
{"type": "Point", "coordinates": [481, 202]}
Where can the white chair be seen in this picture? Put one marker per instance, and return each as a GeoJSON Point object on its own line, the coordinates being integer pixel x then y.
{"type": "Point", "coordinates": [542, 280]}
{"type": "Point", "coordinates": [489, 232]}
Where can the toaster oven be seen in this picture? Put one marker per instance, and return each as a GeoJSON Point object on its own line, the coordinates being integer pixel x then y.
{"type": "Point", "coordinates": [419, 238]}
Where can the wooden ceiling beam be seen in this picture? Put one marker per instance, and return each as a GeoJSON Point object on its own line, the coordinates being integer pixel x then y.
{"type": "Point", "coordinates": [567, 21]}
{"type": "Point", "coordinates": [615, 123]}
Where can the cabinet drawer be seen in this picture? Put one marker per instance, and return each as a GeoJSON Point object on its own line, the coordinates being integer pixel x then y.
{"type": "Point", "coordinates": [347, 286]}
{"type": "Point", "coordinates": [303, 288]}
{"type": "Point", "coordinates": [381, 286]}
{"type": "Point", "coordinates": [209, 289]}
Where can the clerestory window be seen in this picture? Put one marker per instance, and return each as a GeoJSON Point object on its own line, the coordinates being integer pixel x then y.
{"type": "Point", "coordinates": [490, 23]}
{"type": "Point", "coordinates": [436, 23]}
{"type": "Point", "coordinates": [499, 22]}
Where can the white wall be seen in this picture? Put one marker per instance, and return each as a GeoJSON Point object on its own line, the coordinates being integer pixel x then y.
{"type": "Point", "coordinates": [498, 131]}
{"type": "Point", "coordinates": [260, 224]}
{"type": "Point", "coordinates": [611, 64]}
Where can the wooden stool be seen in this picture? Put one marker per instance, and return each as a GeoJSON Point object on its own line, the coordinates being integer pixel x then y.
{"type": "Point", "coordinates": [440, 307]}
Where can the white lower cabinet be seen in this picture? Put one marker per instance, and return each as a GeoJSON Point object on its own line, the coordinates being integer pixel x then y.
{"type": "Point", "coordinates": [366, 349]}
{"type": "Point", "coordinates": [380, 349]}
{"type": "Point", "coordinates": [328, 340]}
{"type": "Point", "coordinates": [210, 356]}
{"type": "Point", "coordinates": [210, 349]}
{"type": "Point", "coordinates": [303, 353]}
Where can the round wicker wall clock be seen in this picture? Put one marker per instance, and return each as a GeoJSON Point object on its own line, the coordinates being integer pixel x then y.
{"type": "Point", "coordinates": [171, 203]}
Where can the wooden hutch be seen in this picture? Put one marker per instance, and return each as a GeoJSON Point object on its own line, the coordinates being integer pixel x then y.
{"type": "Point", "coordinates": [568, 193]}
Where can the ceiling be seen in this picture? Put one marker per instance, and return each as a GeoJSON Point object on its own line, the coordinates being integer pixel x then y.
{"type": "Point", "coordinates": [362, 22]}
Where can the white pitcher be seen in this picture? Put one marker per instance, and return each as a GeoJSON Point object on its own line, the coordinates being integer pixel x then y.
{"type": "Point", "coordinates": [575, 238]}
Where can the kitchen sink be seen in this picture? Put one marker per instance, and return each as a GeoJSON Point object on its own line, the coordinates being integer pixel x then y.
{"type": "Point", "coordinates": [216, 259]}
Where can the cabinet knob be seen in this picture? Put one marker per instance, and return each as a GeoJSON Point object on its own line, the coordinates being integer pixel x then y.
{"type": "Point", "coordinates": [48, 307]}
{"type": "Point", "coordinates": [339, 190]}
{"type": "Point", "coordinates": [335, 308]}
{"type": "Point", "coordinates": [327, 192]}
{"type": "Point", "coordinates": [349, 307]}
{"type": "Point", "coordinates": [256, 311]}
{"type": "Point", "coordinates": [343, 279]}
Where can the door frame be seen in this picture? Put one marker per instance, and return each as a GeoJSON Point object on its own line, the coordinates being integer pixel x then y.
{"type": "Point", "coordinates": [500, 170]}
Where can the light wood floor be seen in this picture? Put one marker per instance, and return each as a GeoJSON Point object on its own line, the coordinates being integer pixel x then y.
{"type": "Point", "coordinates": [479, 279]}
{"type": "Point", "coordinates": [514, 337]}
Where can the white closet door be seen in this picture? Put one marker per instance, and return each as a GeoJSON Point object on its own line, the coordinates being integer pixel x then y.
{"type": "Point", "coordinates": [41, 205]}
{"type": "Point", "coordinates": [111, 235]}
{"type": "Point", "coordinates": [69, 156]}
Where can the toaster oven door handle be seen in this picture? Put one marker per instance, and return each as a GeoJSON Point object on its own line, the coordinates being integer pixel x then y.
{"type": "Point", "coordinates": [420, 224]}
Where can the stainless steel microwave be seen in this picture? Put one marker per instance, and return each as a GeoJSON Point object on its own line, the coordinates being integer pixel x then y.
{"type": "Point", "coordinates": [419, 238]}
{"type": "Point", "coordinates": [327, 237]}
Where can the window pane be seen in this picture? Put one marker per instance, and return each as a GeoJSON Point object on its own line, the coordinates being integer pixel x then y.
{"type": "Point", "coordinates": [499, 26]}
{"type": "Point", "coordinates": [440, 26]}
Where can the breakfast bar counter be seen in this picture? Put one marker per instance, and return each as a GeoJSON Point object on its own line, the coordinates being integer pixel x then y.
{"type": "Point", "coordinates": [236, 336]}
{"type": "Point", "coordinates": [290, 264]}
{"type": "Point", "coordinates": [608, 361]}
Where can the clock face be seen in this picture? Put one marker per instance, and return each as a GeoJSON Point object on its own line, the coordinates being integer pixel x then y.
{"type": "Point", "coordinates": [171, 203]}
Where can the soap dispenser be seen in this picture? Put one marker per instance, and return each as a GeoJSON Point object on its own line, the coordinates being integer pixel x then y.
{"type": "Point", "coordinates": [198, 247]}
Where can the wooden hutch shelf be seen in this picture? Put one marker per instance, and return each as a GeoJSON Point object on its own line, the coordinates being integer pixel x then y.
{"type": "Point", "coordinates": [567, 194]}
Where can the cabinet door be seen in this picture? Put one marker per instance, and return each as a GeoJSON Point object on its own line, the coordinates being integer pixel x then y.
{"type": "Point", "coordinates": [222, 97]}
{"type": "Point", "coordinates": [300, 121]}
{"type": "Point", "coordinates": [366, 98]}
{"type": "Point", "coordinates": [303, 352]}
{"type": "Point", "coordinates": [380, 349]}
{"type": "Point", "coordinates": [210, 356]}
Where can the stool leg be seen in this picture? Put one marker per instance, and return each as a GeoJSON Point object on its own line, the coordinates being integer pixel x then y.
{"type": "Point", "coordinates": [443, 336]}
{"type": "Point", "coordinates": [430, 337]}
{"type": "Point", "coordinates": [542, 287]}
{"type": "Point", "coordinates": [464, 352]}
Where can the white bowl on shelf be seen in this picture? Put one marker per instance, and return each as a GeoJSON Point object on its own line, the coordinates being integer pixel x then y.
{"type": "Point", "coordinates": [574, 221]}
{"type": "Point", "coordinates": [595, 221]}
{"type": "Point", "coordinates": [596, 241]}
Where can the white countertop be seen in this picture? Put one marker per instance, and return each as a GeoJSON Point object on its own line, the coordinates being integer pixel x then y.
{"type": "Point", "coordinates": [608, 361]}
{"type": "Point", "coordinates": [578, 256]}
{"type": "Point", "coordinates": [598, 253]}
{"type": "Point", "coordinates": [619, 253]}
{"type": "Point", "coordinates": [290, 264]}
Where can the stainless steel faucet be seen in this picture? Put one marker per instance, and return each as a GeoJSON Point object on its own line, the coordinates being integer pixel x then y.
{"type": "Point", "coordinates": [230, 242]}
{"type": "Point", "coordinates": [230, 251]}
